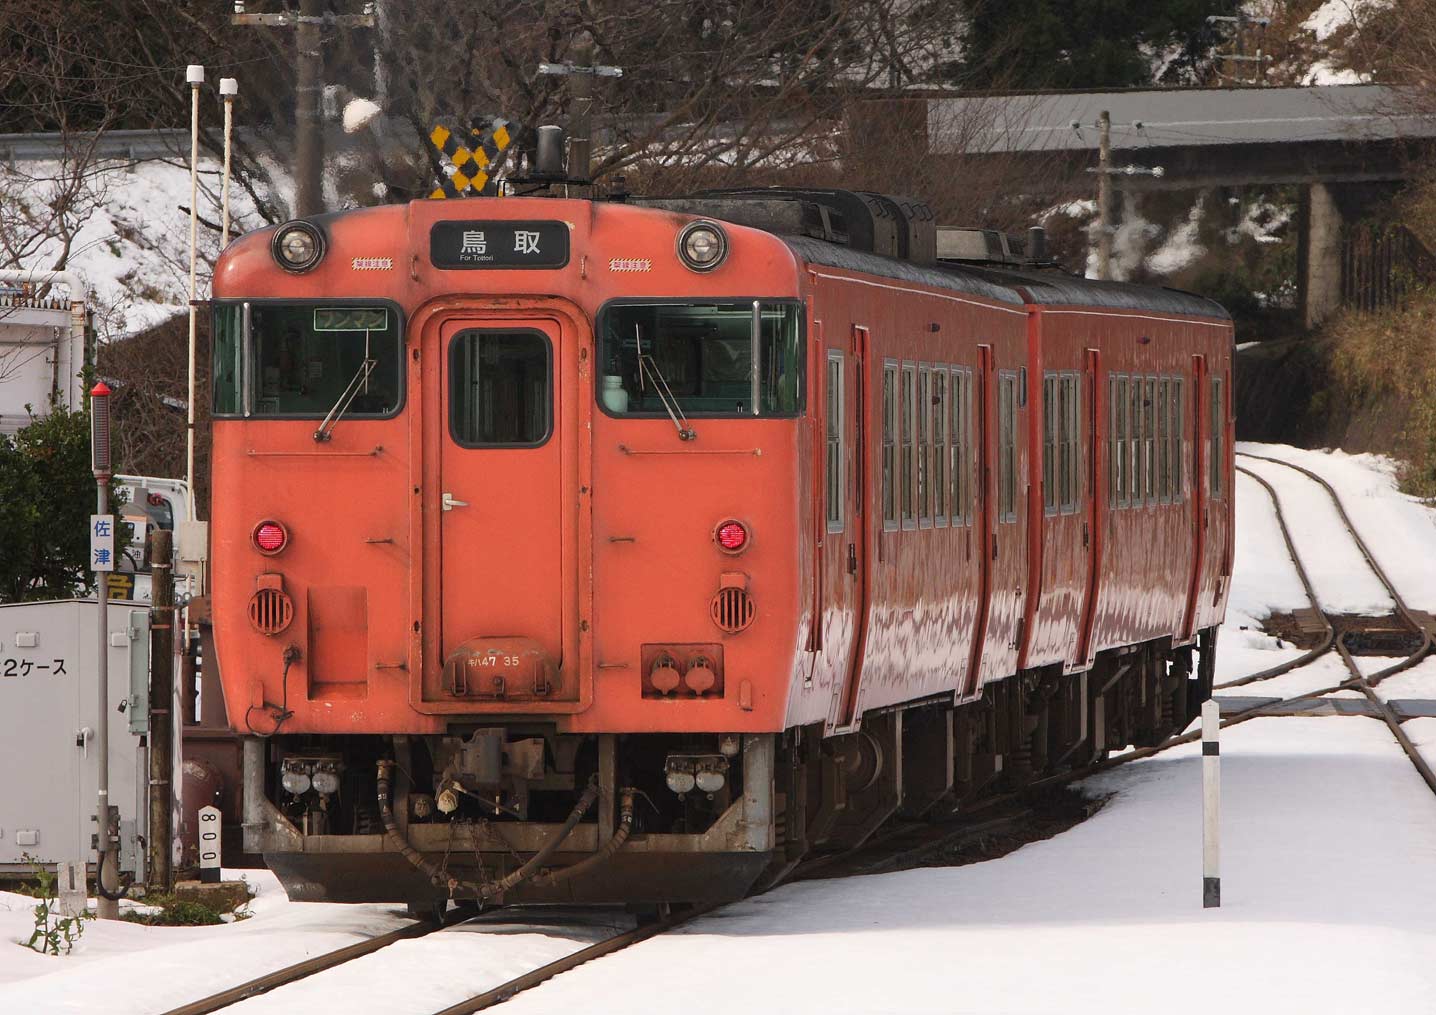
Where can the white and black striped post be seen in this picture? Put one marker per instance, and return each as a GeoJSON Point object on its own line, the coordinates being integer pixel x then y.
{"type": "Point", "coordinates": [1211, 805]}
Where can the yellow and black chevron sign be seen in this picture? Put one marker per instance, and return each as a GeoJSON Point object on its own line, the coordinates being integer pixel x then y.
{"type": "Point", "coordinates": [474, 158]}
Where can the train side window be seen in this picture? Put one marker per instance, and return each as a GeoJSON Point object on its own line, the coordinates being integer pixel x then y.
{"type": "Point", "coordinates": [1164, 454]}
{"type": "Point", "coordinates": [959, 462]}
{"type": "Point", "coordinates": [939, 446]}
{"type": "Point", "coordinates": [1007, 446]}
{"type": "Point", "coordinates": [924, 446]}
{"type": "Point", "coordinates": [1134, 442]}
{"type": "Point", "coordinates": [1069, 450]}
{"type": "Point", "coordinates": [1149, 447]}
{"type": "Point", "coordinates": [1218, 430]}
{"type": "Point", "coordinates": [908, 450]}
{"type": "Point", "coordinates": [889, 464]}
{"type": "Point", "coordinates": [1178, 432]}
{"type": "Point", "coordinates": [500, 389]}
{"type": "Point", "coordinates": [1049, 443]}
{"type": "Point", "coordinates": [1119, 436]}
{"type": "Point", "coordinates": [833, 440]}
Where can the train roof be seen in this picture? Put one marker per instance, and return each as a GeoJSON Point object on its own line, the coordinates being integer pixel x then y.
{"type": "Point", "coordinates": [898, 237]}
{"type": "Point", "coordinates": [815, 251]}
{"type": "Point", "coordinates": [1044, 287]}
{"type": "Point", "coordinates": [1054, 287]}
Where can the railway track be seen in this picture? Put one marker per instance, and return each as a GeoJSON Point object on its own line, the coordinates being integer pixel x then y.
{"type": "Point", "coordinates": [909, 843]}
{"type": "Point", "coordinates": [1419, 624]}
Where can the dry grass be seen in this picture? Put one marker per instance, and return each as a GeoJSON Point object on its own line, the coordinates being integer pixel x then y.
{"type": "Point", "coordinates": [1385, 360]}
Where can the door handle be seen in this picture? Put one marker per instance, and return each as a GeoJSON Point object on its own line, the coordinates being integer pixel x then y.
{"type": "Point", "coordinates": [450, 502]}
{"type": "Point", "coordinates": [852, 558]}
{"type": "Point", "coordinates": [82, 740]}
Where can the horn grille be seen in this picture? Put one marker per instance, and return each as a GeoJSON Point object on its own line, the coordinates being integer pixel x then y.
{"type": "Point", "coordinates": [732, 609]}
{"type": "Point", "coordinates": [270, 611]}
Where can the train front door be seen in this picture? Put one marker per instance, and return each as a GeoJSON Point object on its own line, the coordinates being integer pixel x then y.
{"type": "Point", "coordinates": [506, 516]}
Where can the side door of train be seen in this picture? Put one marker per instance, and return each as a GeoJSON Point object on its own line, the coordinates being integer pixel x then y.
{"type": "Point", "coordinates": [844, 525]}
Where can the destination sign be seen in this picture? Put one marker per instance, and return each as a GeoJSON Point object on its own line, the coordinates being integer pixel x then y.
{"type": "Point", "coordinates": [498, 244]}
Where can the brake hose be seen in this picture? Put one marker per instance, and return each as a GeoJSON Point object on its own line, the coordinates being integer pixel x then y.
{"type": "Point", "coordinates": [439, 878]}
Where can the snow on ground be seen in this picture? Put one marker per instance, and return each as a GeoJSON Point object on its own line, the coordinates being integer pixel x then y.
{"type": "Point", "coordinates": [1106, 917]}
{"type": "Point", "coordinates": [1343, 582]}
{"type": "Point", "coordinates": [1417, 682]}
{"type": "Point", "coordinates": [1400, 530]}
{"type": "Point", "coordinates": [131, 235]}
{"type": "Point", "coordinates": [1103, 918]}
{"type": "Point", "coordinates": [1263, 581]}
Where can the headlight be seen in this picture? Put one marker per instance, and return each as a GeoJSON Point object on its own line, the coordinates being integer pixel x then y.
{"type": "Point", "coordinates": [709, 780]}
{"type": "Point", "coordinates": [293, 781]}
{"type": "Point", "coordinates": [702, 246]}
{"type": "Point", "coordinates": [680, 781]}
{"type": "Point", "coordinates": [297, 246]}
{"type": "Point", "coordinates": [326, 781]}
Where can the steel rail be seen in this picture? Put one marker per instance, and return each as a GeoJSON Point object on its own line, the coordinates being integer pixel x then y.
{"type": "Point", "coordinates": [504, 991]}
{"type": "Point", "coordinates": [1328, 637]}
{"type": "Point", "coordinates": [1360, 681]}
{"type": "Point", "coordinates": [300, 970]}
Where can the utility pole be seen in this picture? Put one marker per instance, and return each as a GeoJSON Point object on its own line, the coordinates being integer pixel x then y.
{"type": "Point", "coordinates": [1104, 195]}
{"type": "Point", "coordinates": [580, 109]}
{"type": "Point", "coordinates": [162, 692]}
{"type": "Point", "coordinates": [102, 525]}
{"type": "Point", "coordinates": [1243, 22]}
{"type": "Point", "coordinates": [309, 89]}
{"type": "Point", "coordinates": [1105, 171]}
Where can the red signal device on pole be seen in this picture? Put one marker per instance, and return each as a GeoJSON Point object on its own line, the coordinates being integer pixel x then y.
{"type": "Point", "coordinates": [100, 430]}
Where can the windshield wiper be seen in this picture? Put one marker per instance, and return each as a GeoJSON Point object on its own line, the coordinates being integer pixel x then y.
{"type": "Point", "coordinates": [361, 378]}
{"type": "Point", "coordinates": [661, 389]}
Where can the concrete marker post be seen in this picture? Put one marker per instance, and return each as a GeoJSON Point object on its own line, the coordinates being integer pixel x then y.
{"type": "Point", "coordinates": [1211, 805]}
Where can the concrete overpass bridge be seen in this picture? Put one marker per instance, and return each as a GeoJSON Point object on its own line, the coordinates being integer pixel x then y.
{"type": "Point", "coordinates": [1338, 143]}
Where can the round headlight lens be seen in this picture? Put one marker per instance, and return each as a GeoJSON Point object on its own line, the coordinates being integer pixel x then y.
{"type": "Point", "coordinates": [326, 782]}
{"type": "Point", "coordinates": [294, 782]}
{"type": "Point", "coordinates": [680, 781]}
{"type": "Point", "coordinates": [702, 245]}
{"type": "Point", "coordinates": [709, 780]}
{"type": "Point", "coordinates": [297, 246]}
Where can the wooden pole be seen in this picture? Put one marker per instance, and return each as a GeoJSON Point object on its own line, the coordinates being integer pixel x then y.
{"type": "Point", "coordinates": [162, 725]}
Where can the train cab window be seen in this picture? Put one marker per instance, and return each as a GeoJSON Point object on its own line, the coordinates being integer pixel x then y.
{"type": "Point", "coordinates": [908, 451]}
{"type": "Point", "coordinates": [1007, 446]}
{"type": "Point", "coordinates": [940, 452]}
{"type": "Point", "coordinates": [960, 431]}
{"type": "Point", "coordinates": [499, 388]}
{"type": "Point", "coordinates": [1121, 463]}
{"type": "Point", "coordinates": [1069, 480]}
{"type": "Point", "coordinates": [1176, 429]}
{"type": "Point", "coordinates": [700, 357]}
{"type": "Point", "coordinates": [1217, 420]}
{"type": "Point", "coordinates": [1049, 443]}
{"type": "Point", "coordinates": [306, 360]}
{"type": "Point", "coordinates": [924, 447]}
{"type": "Point", "coordinates": [889, 463]}
{"type": "Point", "coordinates": [834, 441]}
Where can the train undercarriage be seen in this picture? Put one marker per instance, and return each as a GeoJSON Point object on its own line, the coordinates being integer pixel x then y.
{"type": "Point", "coordinates": [522, 814]}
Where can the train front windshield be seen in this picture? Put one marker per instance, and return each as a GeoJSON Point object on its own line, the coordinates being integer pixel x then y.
{"type": "Point", "coordinates": [701, 357]}
{"type": "Point", "coordinates": [302, 359]}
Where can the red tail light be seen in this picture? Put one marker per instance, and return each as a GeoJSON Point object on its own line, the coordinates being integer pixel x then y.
{"type": "Point", "coordinates": [270, 537]}
{"type": "Point", "coordinates": [732, 536]}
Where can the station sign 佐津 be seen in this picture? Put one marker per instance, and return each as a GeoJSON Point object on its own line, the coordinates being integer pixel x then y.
{"type": "Point", "coordinates": [498, 243]}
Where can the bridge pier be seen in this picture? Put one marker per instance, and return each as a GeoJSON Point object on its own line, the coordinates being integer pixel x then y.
{"type": "Point", "coordinates": [1319, 223]}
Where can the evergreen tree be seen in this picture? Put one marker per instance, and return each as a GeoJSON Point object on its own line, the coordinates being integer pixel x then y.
{"type": "Point", "coordinates": [1089, 44]}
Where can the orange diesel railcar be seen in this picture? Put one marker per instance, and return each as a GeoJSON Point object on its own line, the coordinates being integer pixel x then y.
{"type": "Point", "coordinates": [571, 550]}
